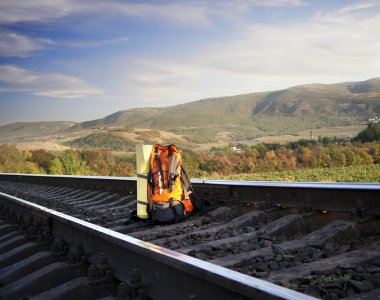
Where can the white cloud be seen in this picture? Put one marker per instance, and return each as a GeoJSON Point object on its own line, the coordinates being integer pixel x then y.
{"type": "Point", "coordinates": [363, 5]}
{"type": "Point", "coordinates": [86, 44]}
{"type": "Point", "coordinates": [16, 44]}
{"type": "Point", "coordinates": [15, 79]}
{"type": "Point", "coordinates": [185, 12]}
{"type": "Point", "coordinates": [268, 57]}
{"type": "Point", "coordinates": [45, 11]}
{"type": "Point", "coordinates": [181, 12]}
{"type": "Point", "coordinates": [34, 11]}
{"type": "Point", "coordinates": [188, 12]}
{"type": "Point", "coordinates": [333, 46]}
{"type": "Point", "coordinates": [352, 13]}
{"type": "Point", "coordinates": [267, 3]}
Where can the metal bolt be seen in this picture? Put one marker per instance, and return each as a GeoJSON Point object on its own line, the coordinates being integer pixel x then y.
{"type": "Point", "coordinates": [135, 277]}
{"type": "Point", "coordinates": [123, 292]}
{"type": "Point", "coordinates": [103, 259]}
{"type": "Point", "coordinates": [92, 272]}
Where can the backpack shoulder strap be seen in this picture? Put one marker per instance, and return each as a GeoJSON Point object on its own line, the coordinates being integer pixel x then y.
{"type": "Point", "coordinates": [185, 180]}
{"type": "Point", "coordinates": [160, 172]}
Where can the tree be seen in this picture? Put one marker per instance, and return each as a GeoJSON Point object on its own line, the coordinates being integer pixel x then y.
{"type": "Point", "coordinates": [42, 158]}
{"type": "Point", "coordinates": [72, 163]}
{"type": "Point", "coordinates": [13, 160]}
{"type": "Point", "coordinates": [304, 156]}
{"type": "Point", "coordinates": [338, 157]}
{"type": "Point", "coordinates": [370, 134]}
{"type": "Point", "coordinates": [96, 161]}
{"type": "Point", "coordinates": [56, 167]}
{"type": "Point", "coordinates": [325, 141]}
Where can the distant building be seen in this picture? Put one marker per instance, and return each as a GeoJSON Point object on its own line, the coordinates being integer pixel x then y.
{"type": "Point", "coordinates": [374, 120]}
{"type": "Point", "coordinates": [236, 149]}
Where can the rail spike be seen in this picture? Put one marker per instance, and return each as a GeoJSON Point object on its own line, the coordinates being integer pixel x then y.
{"type": "Point", "coordinates": [76, 257]}
{"type": "Point", "coordinates": [360, 211]}
{"type": "Point", "coordinates": [13, 217]}
{"type": "Point", "coordinates": [104, 266]}
{"type": "Point", "coordinates": [60, 247]}
{"type": "Point", "coordinates": [133, 289]}
{"type": "Point", "coordinates": [101, 276]}
{"type": "Point", "coordinates": [31, 232]}
{"type": "Point", "coordinates": [21, 224]}
{"type": "Point", "coordinates": [305, 206]}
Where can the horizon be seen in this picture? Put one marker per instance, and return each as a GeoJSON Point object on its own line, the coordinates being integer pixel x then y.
{"type": "Point", "coordinates": [83, 60]}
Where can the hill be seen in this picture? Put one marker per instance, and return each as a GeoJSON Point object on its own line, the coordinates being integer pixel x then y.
{"type": "Point", "coordinates": [248, 116]}
{"type": "Point", "coordinates": [102, 140]}
{"type": "Point", "coordinates": [317, 105]}
{"type": "Point", "coordinates": [238, 118]}
{"type": "Point", "coordinates": [25, 130]}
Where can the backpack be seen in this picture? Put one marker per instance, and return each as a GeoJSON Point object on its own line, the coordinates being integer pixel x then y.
{"type": "Point", "coordinates": [169, 188]}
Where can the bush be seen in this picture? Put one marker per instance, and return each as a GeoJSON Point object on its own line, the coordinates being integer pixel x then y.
{"type": "Point", "coordinates": [370, 134]}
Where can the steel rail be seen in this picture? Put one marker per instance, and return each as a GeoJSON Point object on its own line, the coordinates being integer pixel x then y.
{"type": "Point", "coordinates": [284, 184]}
{"type": "Point", "coordinates": [165, 273]}
{"type": "Point", "coordinates": [340, 197]}
{"type": "Point", "coordinates": [276, 184]}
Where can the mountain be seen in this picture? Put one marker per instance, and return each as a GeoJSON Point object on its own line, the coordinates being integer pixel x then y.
{"type": "Point", "coordinates": [318, 105]}
{"type": "Point", "coordinates": [371, 86]}
{"type": "Point", "coordinates": [233, 118]}
{"type": "Point", "coordinates": [285, 111]}
{"type": "Point", "coordinates": [199, 121]}
{"type": "Point", "coordinates": [25, 130]}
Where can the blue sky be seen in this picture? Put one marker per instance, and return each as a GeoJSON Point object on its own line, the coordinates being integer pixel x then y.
{"type": "Point", "coordinates": [79, 60]}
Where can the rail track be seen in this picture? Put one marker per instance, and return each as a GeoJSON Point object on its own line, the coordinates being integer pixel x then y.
{"type": "Point", "coordinates": [72, 237]}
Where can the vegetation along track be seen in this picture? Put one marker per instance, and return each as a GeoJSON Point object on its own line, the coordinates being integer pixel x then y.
{"type": "Point", "coordinates": [322, 240]}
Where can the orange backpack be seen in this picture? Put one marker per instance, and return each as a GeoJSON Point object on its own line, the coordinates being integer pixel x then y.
{"type": "Point", "coordinates": [169, 187]}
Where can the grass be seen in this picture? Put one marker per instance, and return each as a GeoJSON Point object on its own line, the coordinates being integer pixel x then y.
{"type": "Point", "coordinates": [278, 139]}
{"type": "Point", "coordinates": [339, 132]}
{"type": "Point", "coordinates": [124, 155]}
{"type": "Point", "coordinates": [322, 280]}
{"type": "Point", "coordinates": [365, 173]}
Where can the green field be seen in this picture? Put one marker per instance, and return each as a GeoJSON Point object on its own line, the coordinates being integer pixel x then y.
{"type": "Point", "coordinates": [366, 173]}
{"type": "Point", "coordinates": [341, 132]}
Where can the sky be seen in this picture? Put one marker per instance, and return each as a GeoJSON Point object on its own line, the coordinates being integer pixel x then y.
{"type": "Point", "coordinates": [79, 60]}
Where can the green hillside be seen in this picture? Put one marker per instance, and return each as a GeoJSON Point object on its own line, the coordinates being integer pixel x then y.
{"type": "Point", "coordinates": [248, 116]}
{"type": "Point", "coordinates": [26, 130]}
{"type": "Point", "coordinates": [240, 118]}
{"type": "Point", "coordinates": [318, 106]}
{"type": "Point", "coordinates": [215, 111]}
{"type": "Point", "coordinates": [102, 140]}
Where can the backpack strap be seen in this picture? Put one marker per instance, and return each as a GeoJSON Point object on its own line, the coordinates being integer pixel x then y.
{"type": "Point", "coordinates": [160, 172]}
{"type": "Point", "coordinates": [186, 184]}
{"type": "Point", "coordinates": [170, 151]}
{"type": "Point", "coordinates": [175, 213]}
{"type": "Point", "coordinates": [151, 182]}
{"type": "Point", "coordinates": [172, 171]}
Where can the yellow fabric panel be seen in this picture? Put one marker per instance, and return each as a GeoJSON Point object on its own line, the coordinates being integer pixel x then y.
{"type": "Point", "coordinates": [142, 168]}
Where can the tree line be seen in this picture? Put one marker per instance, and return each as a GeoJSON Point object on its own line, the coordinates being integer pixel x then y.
{"type": "Point", "coordinates": [253, 159]}
{"type": "Point", "coordinates": [273, 157]}
{"type": "Point", "coordinates": [303, 154]}
{"type": "Point", "coordinates": [68, 162]}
